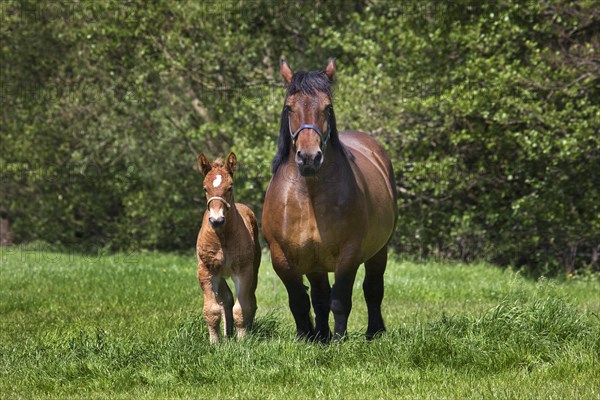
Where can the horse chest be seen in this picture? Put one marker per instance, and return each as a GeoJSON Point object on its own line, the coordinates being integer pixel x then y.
{"type": "Point", "coordinates": [218, 260]}
{"type": "Point", "coordinates": [312, 238]}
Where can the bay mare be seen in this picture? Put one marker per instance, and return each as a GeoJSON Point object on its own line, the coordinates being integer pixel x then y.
{"type": "Point", "coordinates": [330, 206]}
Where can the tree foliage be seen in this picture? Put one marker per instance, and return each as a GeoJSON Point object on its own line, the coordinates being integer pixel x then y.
{"type": "Point", "coordinates": [490, 110]}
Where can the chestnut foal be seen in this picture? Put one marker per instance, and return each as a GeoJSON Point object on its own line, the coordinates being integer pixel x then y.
{"type": "Point", "coordinates": [227, 246]}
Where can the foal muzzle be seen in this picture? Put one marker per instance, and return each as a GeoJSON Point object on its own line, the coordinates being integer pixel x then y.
{"type": "Point", "coordinates": [217, 221]}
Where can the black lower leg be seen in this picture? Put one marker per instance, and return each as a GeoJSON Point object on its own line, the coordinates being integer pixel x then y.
{"type": "Point", "coordinates": [341, 303]}
{"type": "Point", "coordinates": [373, 290]}
{"type": "Point", "coordinates": [320, 295]}
{"type": "Point", "coordinates": [300, 306]}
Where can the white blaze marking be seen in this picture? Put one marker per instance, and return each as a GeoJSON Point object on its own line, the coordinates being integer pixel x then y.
{"type": "Point", "coordinates": [216, 215]}
{"type": "Point", "coordinates": [217, 181]}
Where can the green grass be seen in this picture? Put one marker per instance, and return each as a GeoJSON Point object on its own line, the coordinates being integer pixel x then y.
{"type": "Point", "coordinates": [129, 326]}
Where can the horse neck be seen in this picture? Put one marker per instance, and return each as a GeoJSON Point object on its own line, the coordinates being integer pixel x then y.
{"type": "Point", "coordinates": [234, 219]}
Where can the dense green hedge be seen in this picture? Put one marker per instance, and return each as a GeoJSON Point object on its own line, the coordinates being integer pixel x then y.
{"type": "Point", "coordinates": [491, 111]}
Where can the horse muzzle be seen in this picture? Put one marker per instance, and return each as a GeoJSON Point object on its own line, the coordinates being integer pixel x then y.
{"type": "Point", "coordinates": [309, 163]}
{"type": "Point", "coordinates": [216, 223]}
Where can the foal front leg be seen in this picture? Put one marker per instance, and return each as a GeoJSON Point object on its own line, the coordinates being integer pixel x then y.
{"type": "Point", "coordinates": [244, 309]}
{"type": "Point", "coordinates": [218, 302]}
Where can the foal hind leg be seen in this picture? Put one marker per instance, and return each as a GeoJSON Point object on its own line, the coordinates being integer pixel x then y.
{"type": "Point", "coordinates": [320, 292]}
{"type": "Point", "coordinates": [373, 290]}
{"type": "Point", "coordinates": [225, 298]}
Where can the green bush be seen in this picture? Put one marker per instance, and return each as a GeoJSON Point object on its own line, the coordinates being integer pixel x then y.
{"type": "Point", "coordinates": [490, 111]}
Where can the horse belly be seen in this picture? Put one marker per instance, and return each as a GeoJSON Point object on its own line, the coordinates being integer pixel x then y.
{"type": "Point", "coordinates": [374, 177]}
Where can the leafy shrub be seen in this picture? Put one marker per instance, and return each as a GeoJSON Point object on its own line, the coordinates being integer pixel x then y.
{"type": "Point", "coordinates": [490, 111]}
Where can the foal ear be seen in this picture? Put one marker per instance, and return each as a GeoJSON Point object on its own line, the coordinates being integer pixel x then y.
{"type": "Point", "coordinates": [330, 69]}
{"type": "Point", "coordinates": [203, 164]}
{"type": "Point", "coordinates": [232, 162]}
{"type": "Point", "coordinates": [285, 71]}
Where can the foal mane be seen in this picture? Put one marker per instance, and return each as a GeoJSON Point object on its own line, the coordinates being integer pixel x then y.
{"type": "Point", "coordinates": [217, 163]}
{"type": "Point", "coordinates": [309, 83]}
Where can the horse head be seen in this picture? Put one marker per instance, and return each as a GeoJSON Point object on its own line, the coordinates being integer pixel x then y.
{"type": "Point", "coordinates": [308, 121]}
{"type": "Point", "coordinates": [218, 186]}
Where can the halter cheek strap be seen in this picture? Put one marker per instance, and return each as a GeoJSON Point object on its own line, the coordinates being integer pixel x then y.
{"type": "Point", "coordinates": [218, 198]}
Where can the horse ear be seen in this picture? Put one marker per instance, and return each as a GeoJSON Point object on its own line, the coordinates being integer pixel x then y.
{"type": "Point", "coordinates": [232, 162]}
{"type": "Point", "coordinates": [330, 69]}
{"type": "Point", "coordinates": [286, 72]}
{"type": "Point", "coordinates": [203, 164]}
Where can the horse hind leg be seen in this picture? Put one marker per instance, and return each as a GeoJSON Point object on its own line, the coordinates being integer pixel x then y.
{"type": "Point", "coordinates": [225, 298]}
{"type": "Point", "coordinates": [373, 290]}
{"type": "Point", "coordinates": [320, 292]}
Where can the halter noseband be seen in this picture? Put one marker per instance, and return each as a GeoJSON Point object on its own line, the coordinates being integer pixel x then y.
{"type": "Point", "coordinates": [295, 134]}
{"type": "Point", "coordinates": [218, 198]}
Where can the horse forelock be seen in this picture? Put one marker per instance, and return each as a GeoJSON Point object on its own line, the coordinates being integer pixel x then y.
{"type": "Point", "coordinates": [310, 83]}
{"type": "Point", "coordinates": [218, 163]}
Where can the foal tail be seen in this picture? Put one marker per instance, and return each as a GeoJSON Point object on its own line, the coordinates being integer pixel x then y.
{"type": "Point", "coordinates": [257, 248]}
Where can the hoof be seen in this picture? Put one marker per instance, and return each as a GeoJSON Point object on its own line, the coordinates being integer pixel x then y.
{"type": "Point", "coordinates": [375, 334]}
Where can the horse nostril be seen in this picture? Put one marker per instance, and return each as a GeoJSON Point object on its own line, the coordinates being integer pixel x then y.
{"type": "Point", "coordinates": [300, 159]}
{"type": "Point", "coordinates": [216, 221]}
{"type": "Point", "coordinates": [318, 157]}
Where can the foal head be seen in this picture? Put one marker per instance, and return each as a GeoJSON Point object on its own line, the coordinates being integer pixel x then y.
{"type": "Point", "coordinates": [308, 122]}
{"type": "Point", "coordinates": [218, 186]}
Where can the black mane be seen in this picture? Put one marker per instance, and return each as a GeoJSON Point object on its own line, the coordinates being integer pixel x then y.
{"type": "Point", "coordinates": [309, 83]}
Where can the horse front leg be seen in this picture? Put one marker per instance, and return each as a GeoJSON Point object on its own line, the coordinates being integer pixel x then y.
{"type": "Point", "coordinates": [299, 305]}
{"type": "Point", "coordinates": [320, 292]}
{"type": "Point", "coordinates": [216, 302]}
{"type": "Point", "coordinates": [297, 293]}
{"type": "Point", "coordinates": [341, 299]}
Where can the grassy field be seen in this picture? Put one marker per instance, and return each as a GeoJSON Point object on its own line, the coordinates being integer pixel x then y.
{"type": "Point", "coordinates": [129, 326]}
